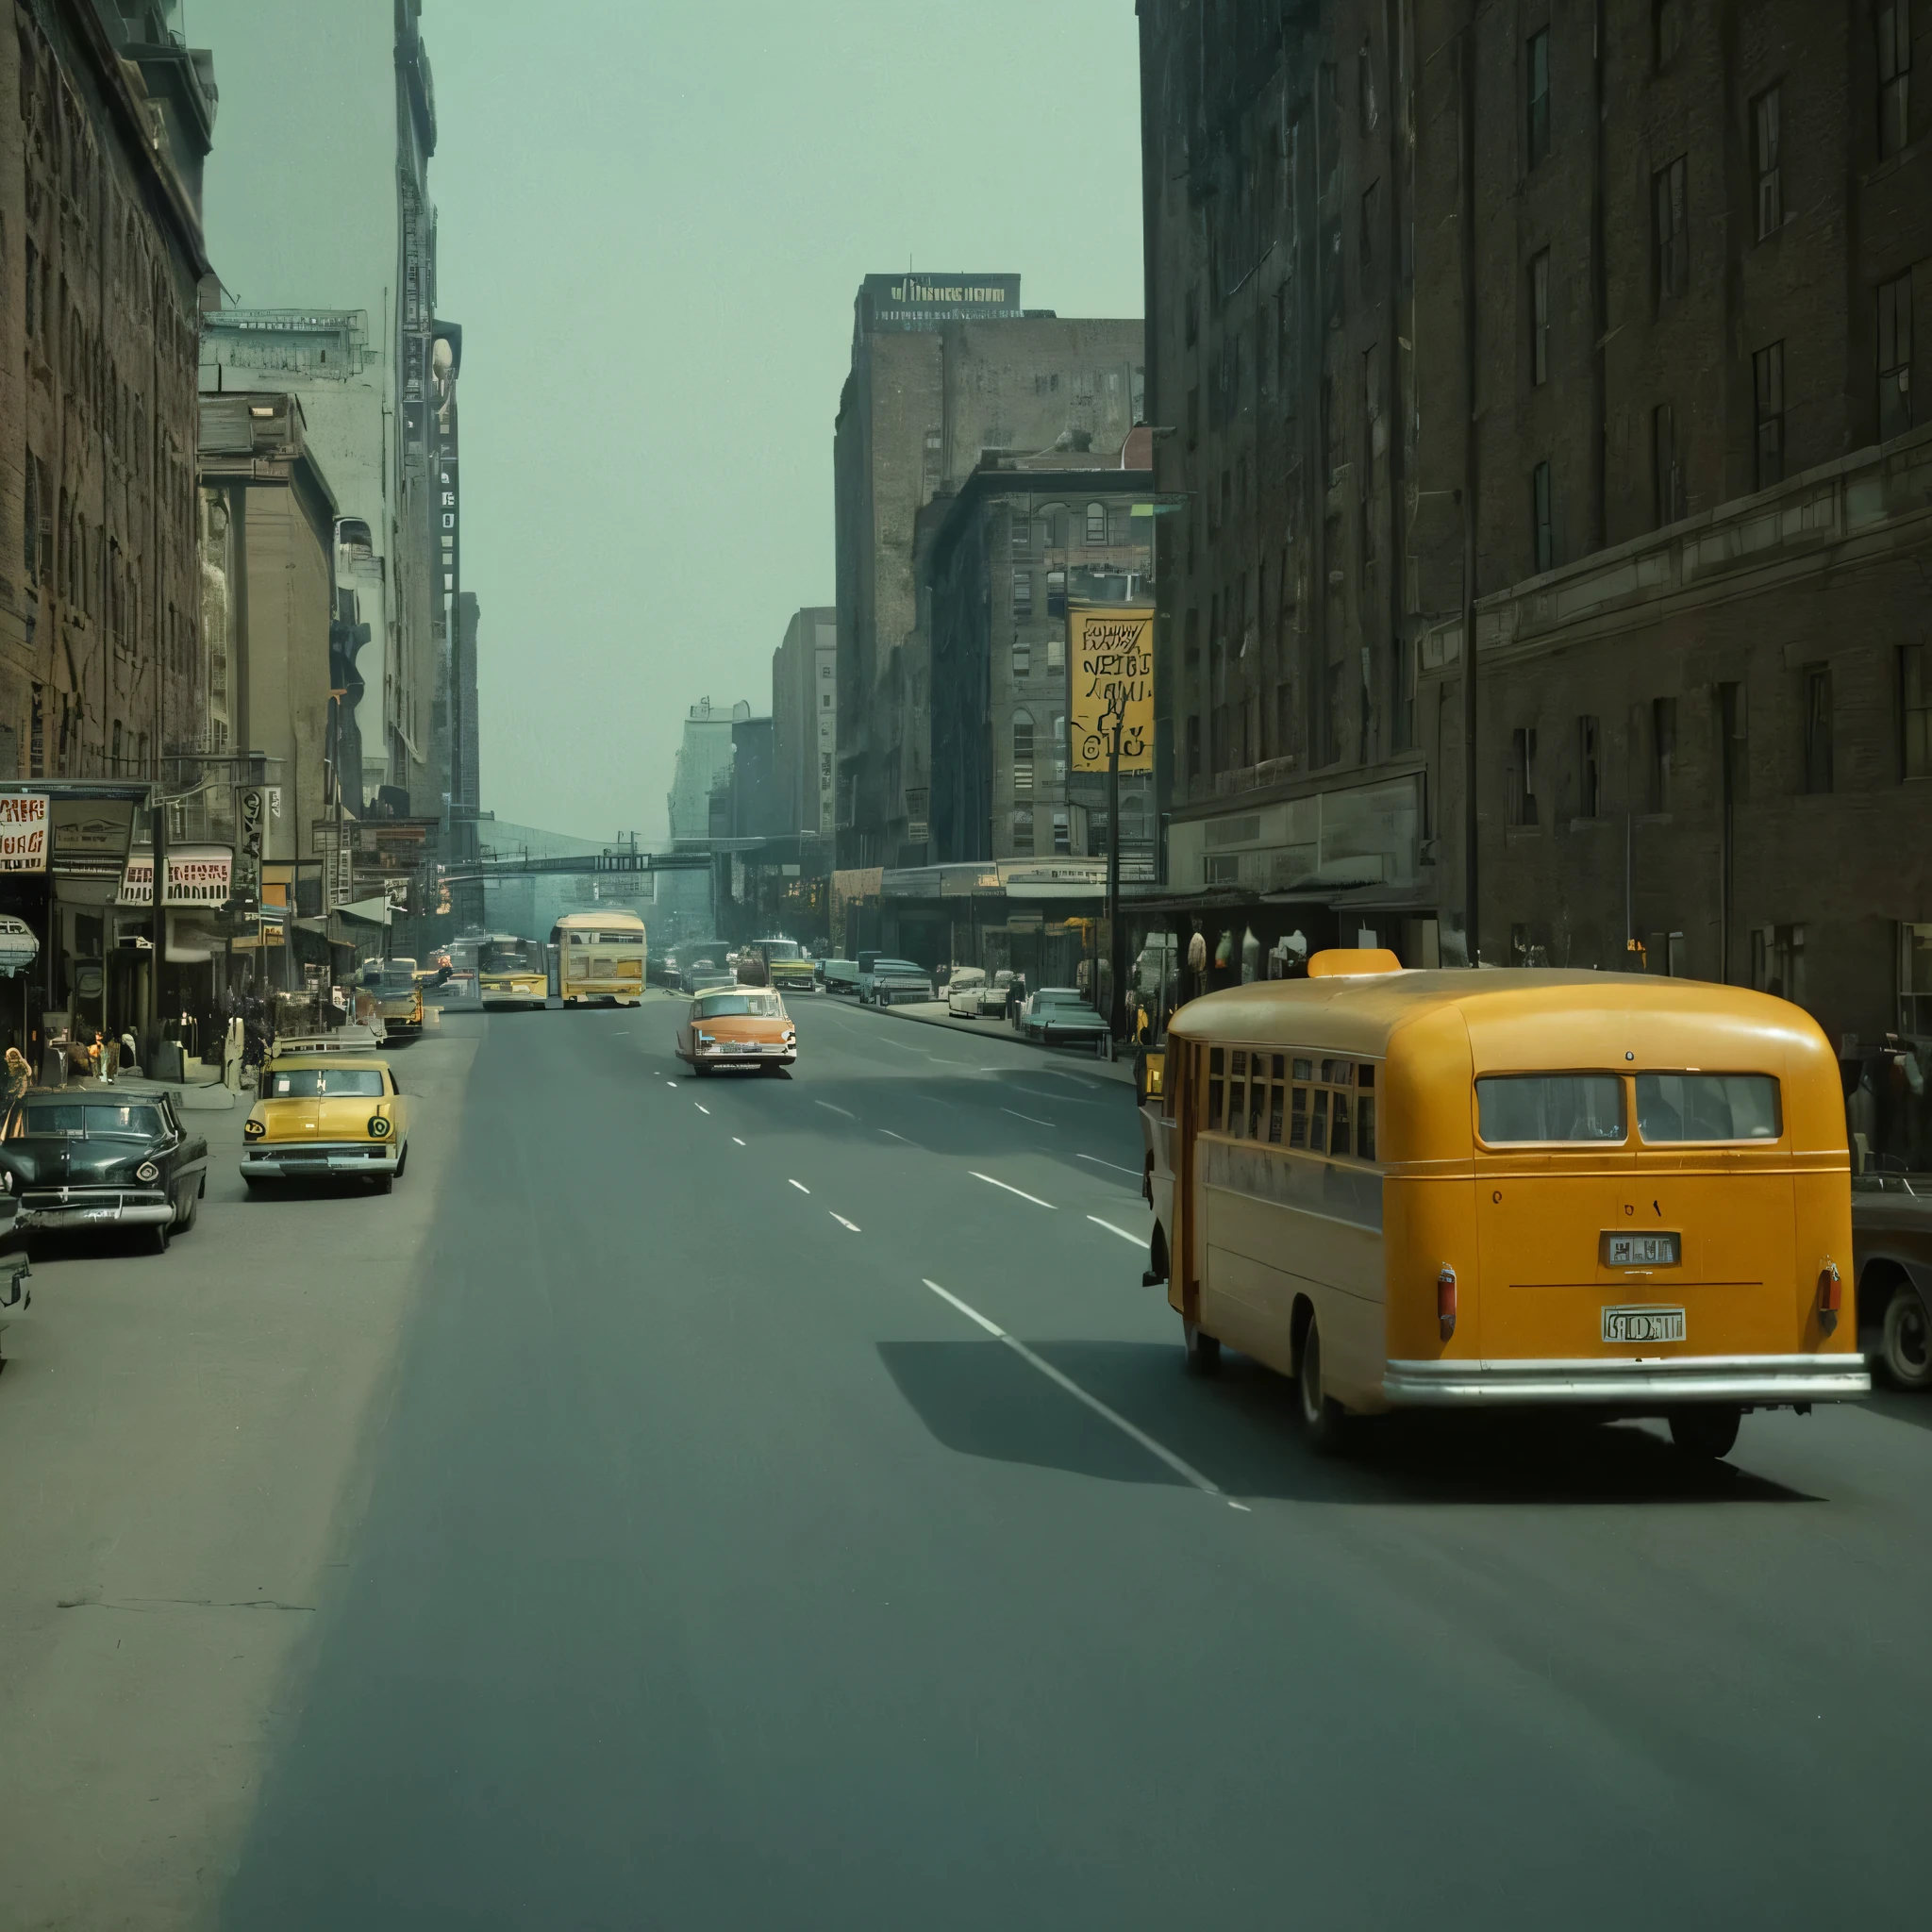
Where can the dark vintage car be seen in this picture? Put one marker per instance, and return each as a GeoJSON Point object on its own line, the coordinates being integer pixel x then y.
{"type": "Point", "coordinates": [16, 1290]}
{"type": "Point", "coordinates": [101, 1160]}
{"type": "Point", "coordinates": [1891, 1257]}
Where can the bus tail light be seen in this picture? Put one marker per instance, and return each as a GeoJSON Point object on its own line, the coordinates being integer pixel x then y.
{"type": "Point", "coordinates": [1831, 1294]}
{"type": "Point", "coordinates": [1445, 1301]}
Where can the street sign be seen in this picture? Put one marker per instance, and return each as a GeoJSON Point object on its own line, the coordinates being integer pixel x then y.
{"type": "Point", "coordinates": [1110, 685]}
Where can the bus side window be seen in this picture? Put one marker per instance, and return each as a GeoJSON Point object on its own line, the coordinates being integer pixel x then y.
{"type": "Point", "coordinates": [1236, 1082]}
{"type": "Point", "coordinates": [1318, 1120]}
{"type": "Point", "coordinates": [1275, 1100]}
{"type": "Point", "coordinates": [1217, 1068]}
{"type": "Point", "coordinates": [1343, 1142]}
{"type": "Point", "coordinates": [1257, 1094]}
{"type": "Point", "coordinates": [1365, 1113]}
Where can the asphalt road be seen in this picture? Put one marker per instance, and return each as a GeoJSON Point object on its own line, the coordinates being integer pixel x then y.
{"type": "Point", "coordinates": [786, 1507]}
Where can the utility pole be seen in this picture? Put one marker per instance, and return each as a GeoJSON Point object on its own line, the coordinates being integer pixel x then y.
{"type": "Point", "coordinates": [1116, 938]}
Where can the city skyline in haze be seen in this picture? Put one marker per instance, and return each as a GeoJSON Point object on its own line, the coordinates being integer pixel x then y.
{"type": "Point", "coordinates": [651, 225]}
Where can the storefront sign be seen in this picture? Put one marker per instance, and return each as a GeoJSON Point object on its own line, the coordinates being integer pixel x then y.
{"type": "Point", "coordinates": [197, 875]}
{"type": "Point", "coordinates": [925, 301]}
{"type": "Point", "coordinates": [23, 832]}
{"type": "Point", "coordinates": [1110, 683]}
{"type": "Point", "coordinates": [89, 836]}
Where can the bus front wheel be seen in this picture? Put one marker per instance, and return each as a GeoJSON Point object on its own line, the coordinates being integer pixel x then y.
{"type": "Point", "coordinates": [1203, 1351]}
{"type": "Point", "coordinates": [1323, 1417]}
{"type": "Point", "coordinates": [1709, 1432]}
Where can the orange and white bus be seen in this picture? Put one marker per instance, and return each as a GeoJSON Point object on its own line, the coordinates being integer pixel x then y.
{"type": "Point", "coordinates": [600, 956]}
{"type": "Point", "coordinates": [1467, 1188]}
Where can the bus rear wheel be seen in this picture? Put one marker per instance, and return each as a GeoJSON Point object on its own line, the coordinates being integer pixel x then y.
{"type": "Point", "coordinates": [1709, 1432]}
{"type": "Point", "coordinates": [1323, 1417]}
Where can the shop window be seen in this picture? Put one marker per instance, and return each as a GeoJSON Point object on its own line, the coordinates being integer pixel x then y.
{"type": "Point", "coordinates": [1777, 962]}
{"type": "Point", "coordinates": [1915, 980]}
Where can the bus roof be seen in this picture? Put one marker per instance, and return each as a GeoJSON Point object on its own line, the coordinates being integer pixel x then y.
{"type": "Point", "coordinates": [610, 916]}
{"type": "Point", "coordinates": [1528, 1018]}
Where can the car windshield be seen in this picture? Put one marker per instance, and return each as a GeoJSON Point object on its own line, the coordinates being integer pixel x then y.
{"type": "Point", "coordinates": [898, 968]}
{"type": "Point", "coordinates": [325, 1083]}
{"type": "Point", "coordinates": [506, 958]}
{"type": "Point", "coordinates": [968, 975]}
{"type": "Point", "coordinates": [396, 978]}
{"type": "Point", "coordinates": [781, 949]}
{"type": "Point", "coordinates": [725, 1006]}
{"type": "Point", "coordinates": [78, 1120]}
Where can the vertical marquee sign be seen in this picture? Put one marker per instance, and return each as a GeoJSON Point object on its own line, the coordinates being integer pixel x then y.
{"type": "Point", "coordinates": [1111, 675]}
{"type": "Point", "coordinates": [23, 832]}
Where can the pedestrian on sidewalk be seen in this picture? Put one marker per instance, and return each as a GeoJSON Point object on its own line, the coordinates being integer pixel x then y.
{"type": "Point", "coordinates": [20, 1077]}
{"type": "Point", "coordinates": [233, 1045]}
{"type": "Point", "coordinates": [109, 1051]}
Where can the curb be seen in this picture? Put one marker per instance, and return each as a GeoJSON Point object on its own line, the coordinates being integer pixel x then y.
{"type": "Point", "coordinates": [1120, 1071]}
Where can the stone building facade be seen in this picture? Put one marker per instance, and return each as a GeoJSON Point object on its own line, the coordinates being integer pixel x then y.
{"type": "Point", "coordinates": [108, 118]}
{"type": "Point", "coordinates": [944, 368]}
{"type": "Point", "coordinates": [1010, 548]}
{"type": "Point", "coordinates": [1586, 331]}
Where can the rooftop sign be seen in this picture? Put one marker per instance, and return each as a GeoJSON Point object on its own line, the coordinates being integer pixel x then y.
{"type": "Point", "coordinates": [925, 301]}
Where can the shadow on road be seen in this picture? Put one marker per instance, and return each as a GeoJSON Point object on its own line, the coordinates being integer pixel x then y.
{"type": "Point", "coordinates": [1897, 1407]}
{"type": "Point", "coordinates": [1242, 1431]}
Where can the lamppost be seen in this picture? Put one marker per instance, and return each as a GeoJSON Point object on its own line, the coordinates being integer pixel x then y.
{"type": "Point", "coordinates": [1113, 721]}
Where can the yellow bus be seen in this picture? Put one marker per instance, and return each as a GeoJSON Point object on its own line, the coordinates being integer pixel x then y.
{"type": "Point", "coordinates": [600, 956]}
{"type": "Point", "coordinates": [1467, 1188]}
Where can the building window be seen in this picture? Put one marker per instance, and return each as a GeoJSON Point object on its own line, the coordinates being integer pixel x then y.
{"type": "Point", "coordinates": [1538, 69]}
{"type": "Point", "coordinates": [1059, 746]}
{"type": "Point", "coordinates": [1777, 962]}
{"type": "Point", "coordinates": [1893, 21]}
{"type": "Point", "coordinates": [1764, 143]}
{"type": "Point", "coordinates": [1667, 20]}
{"type": "Point", "coordinates": [1540, 318]}
{"type": "Point", "coordinates": [1062, 839]}
{"type": "Point", "coordinates": [1022, 594]}
{"type": "Point", "coordinates": [1818, 728]}
{"type": "Point", "coordinates": [1097, 526]}
{"type": "Point", "coordinates": [1894, 357]}
{"type": "Point", "coordinates": [1022, 832]}
{"type": "Point", "coordinates": [1672, 245]}
{"type": "Point", "coordinates": [1667, 480]}
{"type": "Point", "coordinates": [1915, 710]}
{"type": "Point", "coordinates": [1767, 394]}
{"type": "Point", "coordinates": [1663, 751]}
{"type": "Point", "coordinates": [1022, 532]}
{"type": "Point", "coordinates": [1193, 744]}
{"type": "Point", "coordinates": [1523, 775]}
{"type": "Point", "coordinates": [1023, 751]}
{"type": "Point", "coordinates": [1056, 653]}
{"type": "Point", "coordinates": [1589, 795]}
{"type": "Point", "coordinates": [1023, 659]}
{"type": "Point", "coordinates": [1543, 530]}
{"type": "Point", "coordinates": [1056, 593]}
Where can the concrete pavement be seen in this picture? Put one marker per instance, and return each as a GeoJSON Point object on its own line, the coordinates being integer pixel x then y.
{"type": "Point", "coordinates": [778, 1502]}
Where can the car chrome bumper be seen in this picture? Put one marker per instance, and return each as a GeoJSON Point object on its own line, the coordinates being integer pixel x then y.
{"type": "Point", "coordinates": [104, 1207]}
{"type": "Point", "coordinates": [287, 1163]}
{"type": "Point", "coordinates": [1758, 1379]}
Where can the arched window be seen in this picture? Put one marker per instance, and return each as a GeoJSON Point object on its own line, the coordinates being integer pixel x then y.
{"type": "Point", "coordinates": [1096, 525]}
{"type": "Point", "coordinates": [1023, 751]}
{"type": "Point", "coordinates": [1022, 832]}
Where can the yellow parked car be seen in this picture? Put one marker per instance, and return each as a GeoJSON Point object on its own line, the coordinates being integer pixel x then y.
{"type": "Point", "coordinates": [323, 1116]}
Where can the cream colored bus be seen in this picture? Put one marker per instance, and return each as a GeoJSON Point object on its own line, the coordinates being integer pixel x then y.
{"type": "Point", "coordinates": [600, 956]}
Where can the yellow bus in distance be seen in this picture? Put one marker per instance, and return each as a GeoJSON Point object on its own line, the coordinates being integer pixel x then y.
{"type": "Point", "coordinates": [600, 956]}
{"type": "Point", "coordinates": [1466, 1189]}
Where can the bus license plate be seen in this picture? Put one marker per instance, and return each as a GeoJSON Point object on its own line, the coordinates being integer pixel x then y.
{"type": "Point", "coordinates": [1641, 1250]}
{"type": "Point", "coordinates": [1643, 1325]}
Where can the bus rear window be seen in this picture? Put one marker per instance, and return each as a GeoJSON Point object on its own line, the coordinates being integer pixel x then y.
{"type": "Point", "coordinates": [1707, 1106]}
{"type": "Point", "coordinates": [1524, 1109]}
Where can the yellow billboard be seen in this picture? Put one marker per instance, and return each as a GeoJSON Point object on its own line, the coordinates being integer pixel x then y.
{"type": "Point", "coordinates": [1110, 667]}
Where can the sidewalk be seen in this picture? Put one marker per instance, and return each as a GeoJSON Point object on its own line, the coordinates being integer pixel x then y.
{"type": "Point", "coordinates": [933, 1013]}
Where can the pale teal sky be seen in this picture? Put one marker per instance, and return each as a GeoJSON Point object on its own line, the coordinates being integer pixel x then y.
{"type": "Point", "coordinates": [653, 219]}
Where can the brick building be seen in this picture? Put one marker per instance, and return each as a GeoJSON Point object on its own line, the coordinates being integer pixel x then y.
{"type": "Point", "coordinates": [1585, 328]}
{"type": "Point", "coordinates": [944, 368]}
{"type": "Point", "coordinates": [102, 272]}
{"type": "Point", "coordinates": [805, 691]}
{"type": "Point", "coordinates": [1010, 547]}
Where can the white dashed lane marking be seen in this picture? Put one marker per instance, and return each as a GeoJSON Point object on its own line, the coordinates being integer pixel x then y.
{"type": "Point", "coordinates": [1019, 1116]}
{"type": "Point", "coordinates": [799, 1185]}
{"type": "Point", "coordinates": [1114, 1164]}
{"type": "Point", "coordinates": [1186, 1471]}
{"type": "Point", "coordinates": [1121, 1231]}
{"type": "Point", "coordinates": [843, 1223]}
{"type": "Point", "coordinates": [1021, 1191]}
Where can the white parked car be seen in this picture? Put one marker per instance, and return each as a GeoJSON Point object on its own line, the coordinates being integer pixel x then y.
{"type": "Point", "coordinates": [970, 995]}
